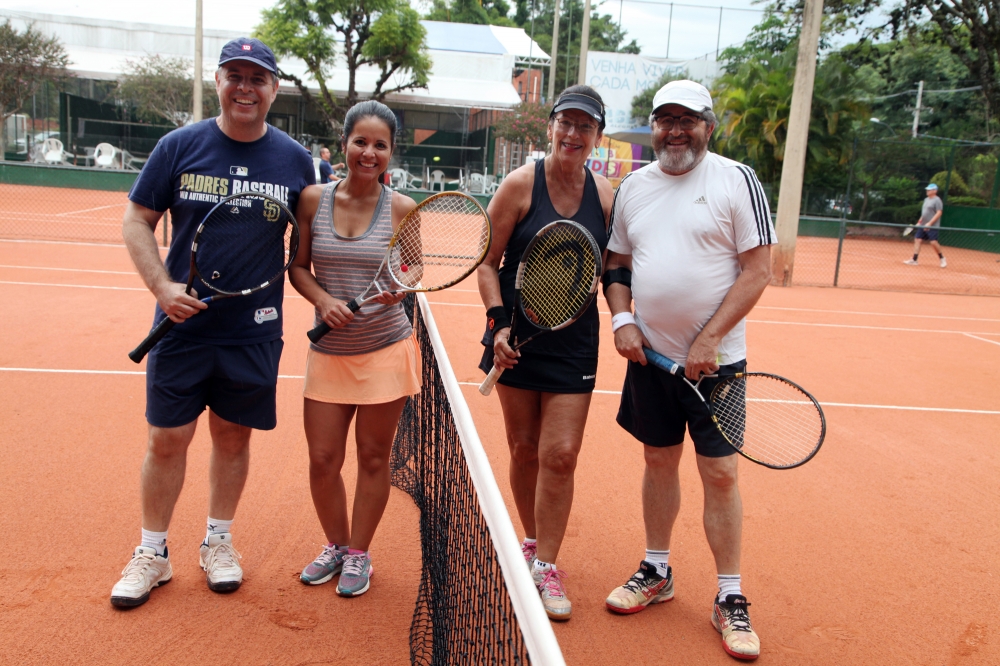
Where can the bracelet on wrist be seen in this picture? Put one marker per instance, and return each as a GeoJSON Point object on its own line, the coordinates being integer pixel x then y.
{"type": "Point", "coordinates": [621, 319]}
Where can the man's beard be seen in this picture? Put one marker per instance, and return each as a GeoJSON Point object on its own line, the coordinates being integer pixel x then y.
{"type": "Point", "coordinates": [677, 162]}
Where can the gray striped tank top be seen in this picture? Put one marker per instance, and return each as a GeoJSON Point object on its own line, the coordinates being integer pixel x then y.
{"type": "Point", "coordinates": [344, 267]}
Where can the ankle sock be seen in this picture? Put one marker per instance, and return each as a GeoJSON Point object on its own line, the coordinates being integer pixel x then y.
{"type": "Point", "coordinates": [541, 567]}
{"type": "Point", "coordinates": [529, 542]}
{"type": "Point", "coordinates": [157, 540]}
{"type": "Point", "coordinates": [216, 526]}
{"type": "Point", "coordinates": [914, 257]}
{"type": "Point", "coordinates": [729, 584]}
{"type": "Point", "coordinates": [659, 559]}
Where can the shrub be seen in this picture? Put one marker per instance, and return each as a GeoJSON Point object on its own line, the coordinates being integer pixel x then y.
{"type": "Point", "coordinates": [956, 186]}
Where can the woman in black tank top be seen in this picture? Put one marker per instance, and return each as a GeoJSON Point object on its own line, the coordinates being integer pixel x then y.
{"type": "Point", "coordinates": [546, 387]}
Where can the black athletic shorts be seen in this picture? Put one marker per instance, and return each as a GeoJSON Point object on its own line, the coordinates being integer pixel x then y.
{"type": "Point", "coordinates": [547, 373]}
{"type": "Point", "coordinates": [927, 233]}
{"type": "Point", "coordinates": [237, 382]}
{"type": "Point", "coordinates": [656, 406]}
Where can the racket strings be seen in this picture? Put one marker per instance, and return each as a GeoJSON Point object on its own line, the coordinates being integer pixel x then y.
{"type": "Point", "coordinates": [558, 277]}
{"type": "Point", "coordinates": [244, 245]}
{"type": "Point", "coordinates": [440, 243]}
{"type": "Point", "coordinates": [768, 419]}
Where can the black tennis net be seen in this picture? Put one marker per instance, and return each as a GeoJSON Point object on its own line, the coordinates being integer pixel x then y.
{"type": "Point", "coordinates": [476, 603]}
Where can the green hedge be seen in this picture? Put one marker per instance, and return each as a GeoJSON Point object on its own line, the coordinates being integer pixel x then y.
{"type": "Point", "coordinates": [66, 176]}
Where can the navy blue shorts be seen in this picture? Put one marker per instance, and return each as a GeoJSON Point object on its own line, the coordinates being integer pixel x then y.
{"type": "Point", "coordinates": [926, 233]}
{"type": "Point", "coordinates": [656, 406]}
{"type": "Point", "coordinates": [237, 382]}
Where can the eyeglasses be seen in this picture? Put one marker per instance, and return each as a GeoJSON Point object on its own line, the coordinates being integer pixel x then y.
{"type": "Point", "coordinates": [581, 128]}
{"type": "Point", "coordinates": [686, 123]}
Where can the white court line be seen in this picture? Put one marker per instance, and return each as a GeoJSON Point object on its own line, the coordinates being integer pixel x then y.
{"type": "Point", "coordinates": [73, 286]}
{"type": "Point", "coordinates": [90, 210]}
{"type": "Point", "coordinates": [70, 270]}
{"type": "Point", "coordinates": [52, 242]}
{"type": "Point", "coordinates": [824, 404]}
{"type": "Point", "coordinates": [105, 372]}
{"type": "Point", "coordinates": [870, 328]}
{"type": "Point", "coordinates": [849, 404]}
{"type": "Point", "coordinates": [873, 314]}
{"type": "Point", "coordinates": [975, 337]}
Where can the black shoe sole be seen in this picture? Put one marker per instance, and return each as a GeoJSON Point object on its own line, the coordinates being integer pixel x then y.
{"type": "Point", "coordinates": [226, 587]}
{"type": "Point", "coordinates": [129, 602]}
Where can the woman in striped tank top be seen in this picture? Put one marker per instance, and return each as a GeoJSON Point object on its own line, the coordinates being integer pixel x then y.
{"type": "Point", "coordinates": [365, 367]}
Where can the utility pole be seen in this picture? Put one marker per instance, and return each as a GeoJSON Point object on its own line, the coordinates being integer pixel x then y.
{"type": "Point", "coordinates": [198, 83]}
{"type": "Point", "coordinates": [555, 52]}
{"type": "Point", "coordinates": [796, 143]}
{"type": "Point", "coordinates": [581, 76]}
{"type": "Point", "coordinates": [916, 111]}
{"type": "Point", "coordinates": [670, 27]}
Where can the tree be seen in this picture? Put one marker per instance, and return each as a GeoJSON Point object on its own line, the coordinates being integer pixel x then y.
{"type": "Point", "coordinates": [27, 60]}
{"type": "Point", "coordinates": [971, 29]}
{"type": "Point", "coordinates": [378, 33]}
{"type": "Point", "coordinates": [162, 88]}
{"type": "Point", "coordinates": [482, 12]}
{"type": "Point", "coordinates": [642, 104]}
{"type": "Point", "coordinates": [526, 122]}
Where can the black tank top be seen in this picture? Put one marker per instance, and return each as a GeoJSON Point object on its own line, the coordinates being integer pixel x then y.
{"type": "Point", "coordinates": [579, 340]}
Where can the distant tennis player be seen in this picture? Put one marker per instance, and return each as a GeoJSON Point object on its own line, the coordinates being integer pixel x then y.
{"type": "Point", "coordinates": [326, 174]}
{"type": "Point", "coordinates": [545, 389]}
{"type": "Point", "coordinates": [225, 357]}
{"type": "Point", "coordinates": [690, 245]}
{"type": "Point", "coordinates": [928, 226]}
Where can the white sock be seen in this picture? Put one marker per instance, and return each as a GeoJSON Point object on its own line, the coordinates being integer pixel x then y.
{"type": "Point", "coordinates": [659, 559]}
{"type": "Point", "coordinates": [729, 584]}
{"type": "Point", "coordinates": [541, 567]}
{"type": "Point", "coordinates": [529, 542]}
{"type": "Point", "coordinates": [215, 526]}
{"type": "Point", "coordinates": [157, 540]}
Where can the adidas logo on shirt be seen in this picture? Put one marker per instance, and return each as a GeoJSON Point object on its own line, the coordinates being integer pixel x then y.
{"type": "Point", "coordinates": [701, 200]}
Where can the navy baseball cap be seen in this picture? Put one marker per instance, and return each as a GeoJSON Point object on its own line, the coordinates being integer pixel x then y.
{"type": "Point", "coordinates": [251, 50]}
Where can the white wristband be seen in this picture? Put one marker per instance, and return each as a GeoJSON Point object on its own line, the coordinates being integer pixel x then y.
{"type": "Point", "coordinates": [621, 319]}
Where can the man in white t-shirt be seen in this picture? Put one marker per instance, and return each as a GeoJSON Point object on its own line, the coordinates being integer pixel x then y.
{"type": "Point", "coordinates": [690, 246]}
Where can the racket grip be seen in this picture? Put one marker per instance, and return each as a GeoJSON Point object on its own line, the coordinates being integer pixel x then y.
{"type": "Point", "coordinates": [317, 333]}
{"type": "Point", "coordinates": [154, 336]}
{"type": "Point", "coordinates": [491, 380]}
{"type": "Point", "coordinates": [661, 361]}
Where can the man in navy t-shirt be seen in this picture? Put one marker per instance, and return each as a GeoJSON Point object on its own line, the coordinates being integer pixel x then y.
{"type": "Point", "coordinates": [224, 357]}
{"type": "Point", "coordinates": [325, 168]}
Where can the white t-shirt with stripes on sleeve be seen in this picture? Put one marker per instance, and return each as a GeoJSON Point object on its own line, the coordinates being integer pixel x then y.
{"type": "Point", "coordinates": [685, 234]}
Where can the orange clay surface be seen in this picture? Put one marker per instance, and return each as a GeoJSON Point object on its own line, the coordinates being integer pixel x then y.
{"type": "Point", "coordinates": [882, 550]}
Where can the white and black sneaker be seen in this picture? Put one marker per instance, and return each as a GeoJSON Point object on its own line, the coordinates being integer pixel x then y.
{"type": "Point", "coordinates": [221, 563]}
{"type": "Point", "coordinates": [144, 571]}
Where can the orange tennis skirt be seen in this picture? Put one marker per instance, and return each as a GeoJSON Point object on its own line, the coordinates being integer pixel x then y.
{"type": "Point", "coordinates": [377, 377]}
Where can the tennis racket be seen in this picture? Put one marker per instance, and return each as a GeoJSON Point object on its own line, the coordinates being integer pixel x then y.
{"type": "Point", "coordinates": [768, 419]}
{"type": "Point", "coordinates": [907, 231]}
{"type": "Point", "coordinates": [245, 244]}
{"type": "Point", "coordinates": [555, 284]}
{"type": "Point", "coordinates": [437, 245]}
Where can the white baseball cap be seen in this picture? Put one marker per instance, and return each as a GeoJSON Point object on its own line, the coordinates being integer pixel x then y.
{"type": "Point", "coordinates": [686, 93]}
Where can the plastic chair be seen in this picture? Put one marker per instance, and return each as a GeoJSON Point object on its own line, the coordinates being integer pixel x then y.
{"type": "Point", "coordinates": [53, 149]}
{"type": "Point", "coordinates": [104, 156]}
{"type": "Point", "coordinates": [477, 183]}
{"type": "Point", "coordinates": [400, 179]}
{"type": "Point", "coordinates": [436, 179]}
{"type": "Point", "coordinates": [491, 184]}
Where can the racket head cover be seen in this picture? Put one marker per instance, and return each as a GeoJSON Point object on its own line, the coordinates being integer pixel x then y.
{"type": "Point", "coordinates": [245, 244]}
{"type": "Point", "coordinates": [558, 275]}
{"type": "Point", "coordinates": [769, 419]}
{"type": "Point", "coordinates": [440, 242]}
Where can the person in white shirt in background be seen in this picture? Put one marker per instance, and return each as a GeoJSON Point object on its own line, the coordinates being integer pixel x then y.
{"type": "Point", "coordinates": [690, 246]}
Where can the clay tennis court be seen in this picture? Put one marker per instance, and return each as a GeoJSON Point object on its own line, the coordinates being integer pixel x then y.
{"type": "Point", "coordinates": [881, 550]}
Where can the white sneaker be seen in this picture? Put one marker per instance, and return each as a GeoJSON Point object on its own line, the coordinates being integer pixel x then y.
{"type": "Point", "coordinates": [145, 571]}
{"type": "Point", "coordinates": [221, 563]}
{"type": "Point", "coordinates": [910, 262]}
{"type": "Point", "coordinates": [944, 262]}
{"type": "Point", "coordinates": [553, 593]}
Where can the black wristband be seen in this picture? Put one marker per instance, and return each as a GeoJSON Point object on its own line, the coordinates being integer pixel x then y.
{"type": "Point", "coordinates": [620, 275]}
{"type": "Point", "coordinates": [496, 318]}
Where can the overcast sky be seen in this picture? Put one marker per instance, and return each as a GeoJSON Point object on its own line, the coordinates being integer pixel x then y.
{"type": "Point", "coordinates": [694, 33]}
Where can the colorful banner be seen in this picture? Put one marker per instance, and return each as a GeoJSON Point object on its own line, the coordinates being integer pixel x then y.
{"type": "Point", "coordinates": [614, 159]}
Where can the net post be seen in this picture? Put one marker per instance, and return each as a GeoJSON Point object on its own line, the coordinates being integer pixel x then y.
{"type": "Point", "coordinates": [840, 250]}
